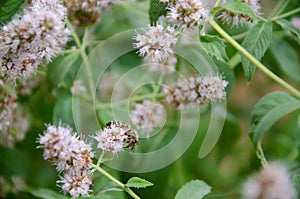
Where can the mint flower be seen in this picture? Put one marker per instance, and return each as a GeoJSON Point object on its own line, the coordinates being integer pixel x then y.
{"type": "Point", "coordinates": [64, 149]}
{"type": "Point", "coordinates": [147, 115]}
{"type": "Point", "coordinates": [272, 182]}
{"type": "Point", "coordinates": [196, 91]}
{"type": "Point", "coordinates": [14, 123]}
{"type": "Point", "coordinates": [156, 43]}
{"type": "Point", "coordinates": [76, 182]}
{"type": "Point", "coordinates": [31, 39]}
{"type": "Point", "coordinates": [71, 155]}
{"type": "Point", "coordinates": [236, 19]}
{"type": "Point", "coordinates": [116, 136]}
{"type": "Point", "coordinates": [188, 13]}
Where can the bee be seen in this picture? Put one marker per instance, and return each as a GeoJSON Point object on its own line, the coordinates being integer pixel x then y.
{"type": "Point", "coordinates": [132, 139]}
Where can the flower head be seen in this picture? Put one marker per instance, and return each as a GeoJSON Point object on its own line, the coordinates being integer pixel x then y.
{"type": "Point", "coordinates": [147, 115]}
{"type": "Point", "coordinates": [14, 123]}
{"type": "Point", "coordinates": [65, 149]}
{"type": "Point", "coordinates": [272, 182]}
{"type": "Point", "coordinates": [71, 156]}
{"type": "Point", "coordinates": [236, 19]}
{"type": "Point", "coordinates": [156, 42]}
{"type": "Point", "coordinates": [196, 91]}
{"type": "Point", "coordinates": [116, 136]}
{"type": "Point", "coordinates": [76, 182]}
{"type": "Point", "coordinates": [188, 13]}
{"type": "Point", "coordinates": [33, 38]}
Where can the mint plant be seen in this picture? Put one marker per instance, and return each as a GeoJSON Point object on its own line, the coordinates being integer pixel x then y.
{"type": "Point", "coordinates": [149, 98]}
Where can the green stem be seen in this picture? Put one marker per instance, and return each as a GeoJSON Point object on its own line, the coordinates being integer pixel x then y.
{"type": "Point", "coordinates": [261, 156]}
{"type": "Point", "coordinates": [87, 63]}
{"type": "Point", "coordinates": [83, 54]}
{"type": "Point", "coordinates": [259, 65]}
{"type": "Point", "coordinates": [135, 98]}
{"type": "Point", "coordinates": [69, 51]}
{"type": "Point", "coordinates": [286, 14]}
{"type": "Point", "coordinates": [157, 87]}
{"type": "Point", "coordinates": [217, 3]}
{"type": "Point", "coordinates": [99, 161]}
{"type": "Point", "coordinates": [279, 8]}
{"type": "Point", "coordinates": [123, 186]}
{"type": "Point", "coordinates": [74, 34]}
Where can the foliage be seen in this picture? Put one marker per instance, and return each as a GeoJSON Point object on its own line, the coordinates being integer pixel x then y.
{"type": "Point", "coordinates": [189, 151]}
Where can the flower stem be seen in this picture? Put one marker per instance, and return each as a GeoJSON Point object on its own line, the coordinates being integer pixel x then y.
{"type": "Point", "coordinates": [83, 54]}
{"type": "Point", "coordinates": [217, 3]}
{"type": "Point", "coordinates": [259, 65]}
{"type": "Point", "coordinates": [123, 186]}
{"type": "Point", "coordinates": [135, 98]}
{"type": "Point", "coordinates": [280, 6]}
{"type": "Point", "coordinates": [74, 34]}
{"type": "Point", "coordinates": [261, 156]}
{"type": "Point", "coordinates": [157, 87]}
{"type": "Point", "coordinates": [286, 14]}
{"type": "Point", "coordinates": [99, 161]}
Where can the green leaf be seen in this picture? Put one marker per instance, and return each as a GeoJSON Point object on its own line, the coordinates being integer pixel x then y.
{"type": "Point", "coordinates": [47, 194]}
{"type": "Point", "coordinates": [63, 110]}
{"type": "Point", "coordinates": [237, 7]}
{"type": "Point", "coordinates": [195, 189]}
{"type": "Point", "coordinates": [138, 183]}
{"type": "Point", "coordinates": [256, 43]}
{"type": "Point", "coordinates": [290, 28]}
{"type": "Point", "coordinates": [156, 10]}
{"type": "Point", "coordinates": [268, 110]}
{"type": "Point", "coordinates": [287, 59]}
{"type": "Point", "coordinates": [8, 8]}
{"type": "Point", "coordinates": [59, 68]}
{"type": "Point", "coordinates": [214, 46]}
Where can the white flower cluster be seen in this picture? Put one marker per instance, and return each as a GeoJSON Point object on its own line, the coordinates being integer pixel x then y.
{"type": "Point", "coordinates": [236, 19]}
{"type": "Point", "coordinates": [71, 155]}
{"type": "Point", "coordinates": [156, 43]}
{"type": "Point", "coordinates": [188, 13]}
{"type": "Point", "coordinates": [13, 123]}
{"type": "Point", "coordinates": [196, 91]}
{"type": "Point", "coordinates": [116, 136]}
{"type": "Point", "coordinates": [147, 115]}
{"type": "Point", "coordinates": [33, 38]}
{"type": "Point", "coordinates": [272, 182]}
